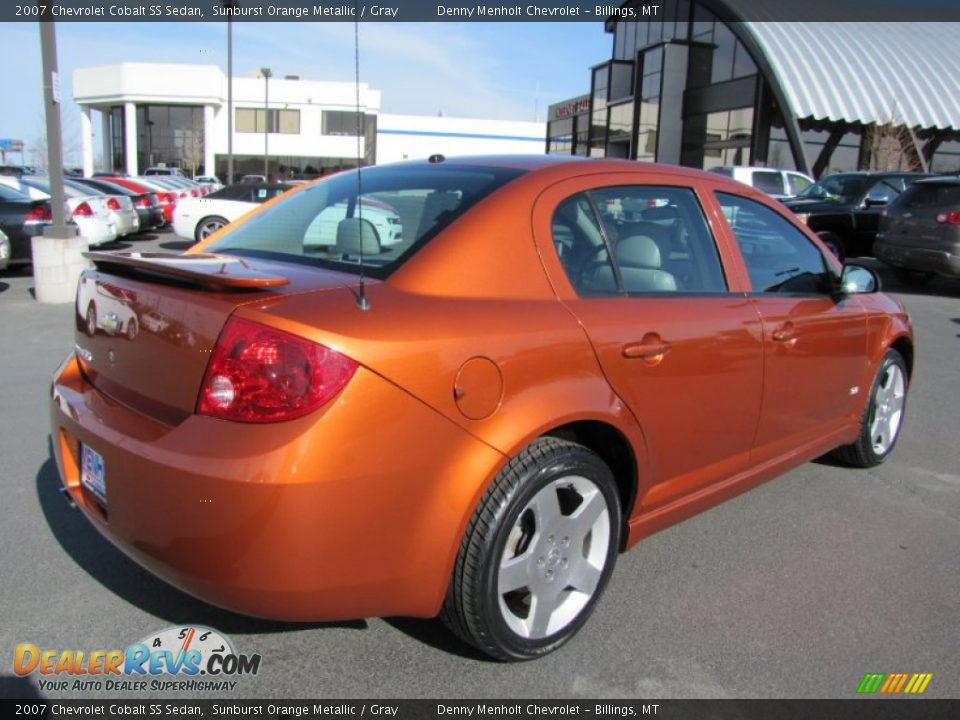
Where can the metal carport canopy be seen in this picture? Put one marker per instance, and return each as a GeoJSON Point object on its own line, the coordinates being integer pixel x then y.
{"type": "Point", "coordinates": [869, 72]}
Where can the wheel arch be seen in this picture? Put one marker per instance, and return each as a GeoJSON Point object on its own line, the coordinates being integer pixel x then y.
{"type": "Point", "coordinates": [904, 346]}
{"type": "Point", "coordinates": [613, 448]}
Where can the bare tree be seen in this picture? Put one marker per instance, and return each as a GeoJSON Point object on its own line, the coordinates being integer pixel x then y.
{"type": "Point", "coordinates": [193, 145]}
{"type": "Point", "coordinates": [893, 146]}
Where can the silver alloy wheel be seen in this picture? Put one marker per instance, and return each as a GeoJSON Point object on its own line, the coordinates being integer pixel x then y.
{"type": "Point", "coordinates": [888, 409]}
{"type": "Point", "coordinates": [209, 227]}
{"type": "Point", "coordinates": [554, 557]}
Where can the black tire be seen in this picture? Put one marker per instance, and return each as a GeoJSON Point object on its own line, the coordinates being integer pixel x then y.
{"type": "Point", "coordinates": [506, 521]}
{"type": "Point", "coordinates": [91, 320]}
{"type": "Point", "coordinates": [834, 244]}
{"type": "Point", "coordinates": [871, 448]}
{"type": "Point", "coordinates": [913, 278]}
{"type": "Point", "coordinates": [208, 226]}
{"type": "Point", "coordinates": [132, 329]}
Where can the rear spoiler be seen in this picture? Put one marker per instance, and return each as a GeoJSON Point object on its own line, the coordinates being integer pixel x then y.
{"type": "Point", "coordinates": [209, 269]}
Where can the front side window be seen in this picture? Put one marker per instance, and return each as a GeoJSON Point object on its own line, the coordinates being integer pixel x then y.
{"type": "Point", "coordinates": [768, 181]}
{"type": "Point", "coordinates": [886, 190]}
{"type": "Point", "coordinates": [636, 240]}
{"type": "Point", "coordinates": [798, 183]}
{"type": "Point", "coordinates": [779, 258]}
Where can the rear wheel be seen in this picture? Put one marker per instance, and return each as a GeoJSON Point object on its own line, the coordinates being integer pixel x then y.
{"type": "Point", "coordinates": [882, 417]}
{"type": "Point", "coordinates": [208, 226]}
{"type": "Point", "coordinates": [132, 329]}
{"type": "Point", "coordinates": [537, 554]}
{"type": "Point", "coordinates": [91, 320]}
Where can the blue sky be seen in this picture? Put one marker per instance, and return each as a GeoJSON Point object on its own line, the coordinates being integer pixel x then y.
{"type": "Point", "coordinates": [484, 70]}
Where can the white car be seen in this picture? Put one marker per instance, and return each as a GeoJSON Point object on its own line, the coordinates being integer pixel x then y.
{"type": "Point", "coordinates": [122, 211]}
{"type": "Point", "coordinates": [774, 182]}
{"type": "Point", "coordinates": [211, 182]}
{"type": "Point", "coordinates": [196, 218]}
{"type": "Point", "coordinates": [106, 308]}
{"type": "Point", "coordinates": [322, 232]}
{"type": "Point", "coordinates": [89, 212]}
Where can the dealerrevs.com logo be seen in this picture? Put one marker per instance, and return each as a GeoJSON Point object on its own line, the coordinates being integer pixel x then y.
{"type": "Point", "coordinates": [190, 659]}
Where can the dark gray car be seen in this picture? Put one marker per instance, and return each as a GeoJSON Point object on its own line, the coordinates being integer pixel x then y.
{"type": "Point", "coordinates": [919, 233]}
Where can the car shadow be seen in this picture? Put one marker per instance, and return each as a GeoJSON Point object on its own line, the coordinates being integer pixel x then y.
{"type": "Point", "coordinates": [111, 246]}
{"type": "Point", "coordinates": [939, 286]}
{"type": "Point", "coordinates": [124, 578]}
{"type": "Point", "coordinates": [4, 286]}
{"type": "Point", "coordinates": [433, 633]}
{"type": "Point", "coordinates": [179, 245]}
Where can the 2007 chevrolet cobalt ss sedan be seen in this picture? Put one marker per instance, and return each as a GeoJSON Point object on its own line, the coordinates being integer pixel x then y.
{"type": "Point", "coordinates": [560, 358]}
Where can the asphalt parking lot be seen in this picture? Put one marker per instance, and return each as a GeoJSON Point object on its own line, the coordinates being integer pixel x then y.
{"type": "Point", "coordinates": [796, 589]}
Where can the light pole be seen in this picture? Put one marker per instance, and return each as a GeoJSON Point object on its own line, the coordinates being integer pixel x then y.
{"type": "Point", "coordinates": [266, 121]}
{"type": "Point", "coordinates": [230, 6]}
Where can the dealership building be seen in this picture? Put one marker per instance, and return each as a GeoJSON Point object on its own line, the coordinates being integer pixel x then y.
{"type": "Point", "coordinates": [702, 86]}
{"type": "Point", "coordinates": [177, 115]}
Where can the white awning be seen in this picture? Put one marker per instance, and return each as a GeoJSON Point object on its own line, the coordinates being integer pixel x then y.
{"type": "Point", "coordinates": [871, 72]}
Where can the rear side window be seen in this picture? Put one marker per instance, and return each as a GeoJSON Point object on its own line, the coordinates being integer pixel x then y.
{"type": "Point", "coordinates": [398, 210]}
{"type": "Point", "coordinates": [636, 239]}
{"type": "Point", "coordinates": [779, 258]}
{"type": "Point", "coordinates": [931, 195]}
{"type": "Point", "coordinates": [768, 181]}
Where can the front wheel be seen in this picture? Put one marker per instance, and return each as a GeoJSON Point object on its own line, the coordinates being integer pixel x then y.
{"type": "Point", "coordinates": [882, 417]}
{"type": "Point", "coordinates": [537, 554]}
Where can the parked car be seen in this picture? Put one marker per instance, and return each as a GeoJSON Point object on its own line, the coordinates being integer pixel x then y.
{"type": "Point", "coordinates": [4, 250]}
{"type": "Point", "coordinates": [844, 209]}
{"type": "Point", "coordinates": [90, 213]}
{"type": "Point", "coordinates": [163, 171]}
{"type": "Point", "coordinates": [254, 179]}
{"type": "Point", "coordinates": [21, 218]}
{"type": "Point", "coordinates": [919, 235]}
{"type": "Point", "coordinates": [774, 182]}
{"type": "Point", "coordinates": [166, 198]}
{"type": "Point", "coordinates": [210, 182]}
{"type": "Point", "coordinates": [107, 307]}
{"type": "Point", "coordinates": [515, 393]}
{"type": "Point", "coordinates": [148, 208]}
{"type": "Point", "coordinates": [196, 218]}
{"type": "Point", "coordinates": [119, 205]}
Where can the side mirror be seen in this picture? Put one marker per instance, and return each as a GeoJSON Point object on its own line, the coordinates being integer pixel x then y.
{"type": "Point", "coordinates": [876, 201]}
{"type": "Point", "coordinates": [858, 280]}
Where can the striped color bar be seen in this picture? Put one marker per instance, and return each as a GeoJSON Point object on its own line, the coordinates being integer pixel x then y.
{"type": "Point", "coordinates": [894, 683]}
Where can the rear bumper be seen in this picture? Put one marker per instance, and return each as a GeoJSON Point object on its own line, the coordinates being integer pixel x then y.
{"type": "Point", "coordinates": [941, 262]}
{"type": "Point", "coordinates": [126, 221]}
{"type": "Point", "coordinates": [354, 511]}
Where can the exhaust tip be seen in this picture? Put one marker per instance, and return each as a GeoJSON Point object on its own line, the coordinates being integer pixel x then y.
{"type": "Point", "coordinates": [68, 497]}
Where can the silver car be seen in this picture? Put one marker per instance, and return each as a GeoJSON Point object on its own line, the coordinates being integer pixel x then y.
{"type": "Point", "coordinates": [919, 234]}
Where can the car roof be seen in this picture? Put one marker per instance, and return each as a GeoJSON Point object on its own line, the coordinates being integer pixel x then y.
{"type": "Point", "coordinates": [940, 180]}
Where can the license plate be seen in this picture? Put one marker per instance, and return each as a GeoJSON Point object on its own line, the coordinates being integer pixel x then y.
{"type": "Point", "coordinates": [91, 473]}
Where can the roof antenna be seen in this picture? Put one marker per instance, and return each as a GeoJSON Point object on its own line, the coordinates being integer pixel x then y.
{"type": "Point", "coordinates": [362, 301]}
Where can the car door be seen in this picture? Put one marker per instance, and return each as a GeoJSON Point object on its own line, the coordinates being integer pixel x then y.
{"type": "Point", "coordinates": [639, 268]}
{"type": "Point", "coordinates": [877, 196]}
{"type": "Point", "coordinates": [814, 342]}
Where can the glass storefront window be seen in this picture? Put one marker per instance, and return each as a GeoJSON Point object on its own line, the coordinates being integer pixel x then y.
{"type": "Point", "coordinates": [621, 81]}
{"type": "Point", "coordinates": [170, 135]}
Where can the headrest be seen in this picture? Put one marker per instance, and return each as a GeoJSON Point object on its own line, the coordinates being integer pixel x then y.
{"type": "Point", "coordinates": [638, 251]}
{"type": "Point", "coordinates": [667, 212]}
{"type": "Point", "coordinates": [350, 232]}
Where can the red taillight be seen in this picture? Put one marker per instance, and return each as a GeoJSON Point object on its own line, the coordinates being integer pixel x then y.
{"type": "Point", "coordinates": [167, 198]}
{"type": "Point", "coordinates": [143, 201]}
{"type": "Point", "coordinates": [258, 374]}
{"type": "Point", "coordinates": [949, 218]}
{"type": "Point", "coordinates": [113, 204]}
{"type": "Point", "coordinates": [39, 213]}
{"type": "Point", "coordinates": [83, 210]}
{"type": "Point", "coordinates": [194, 193]}
{"type": "Point", "coordinates": [184, 194]}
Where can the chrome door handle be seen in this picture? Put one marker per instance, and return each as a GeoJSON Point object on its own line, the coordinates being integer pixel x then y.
{"type": "Point", "coordinates": [785, 333]}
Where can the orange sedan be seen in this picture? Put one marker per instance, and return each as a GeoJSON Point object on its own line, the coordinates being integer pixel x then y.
{"type": "Point", "coordinates": [559, 358]}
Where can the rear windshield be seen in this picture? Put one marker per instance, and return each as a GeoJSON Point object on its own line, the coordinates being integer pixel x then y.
{"type": "Point", "coordinates": [932, 195]}
{"type": "Point", "coordinates": [399, 210]}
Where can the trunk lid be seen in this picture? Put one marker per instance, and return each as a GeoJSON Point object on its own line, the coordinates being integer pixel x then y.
{"type": "Point", "coordinates": [146, 323]}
